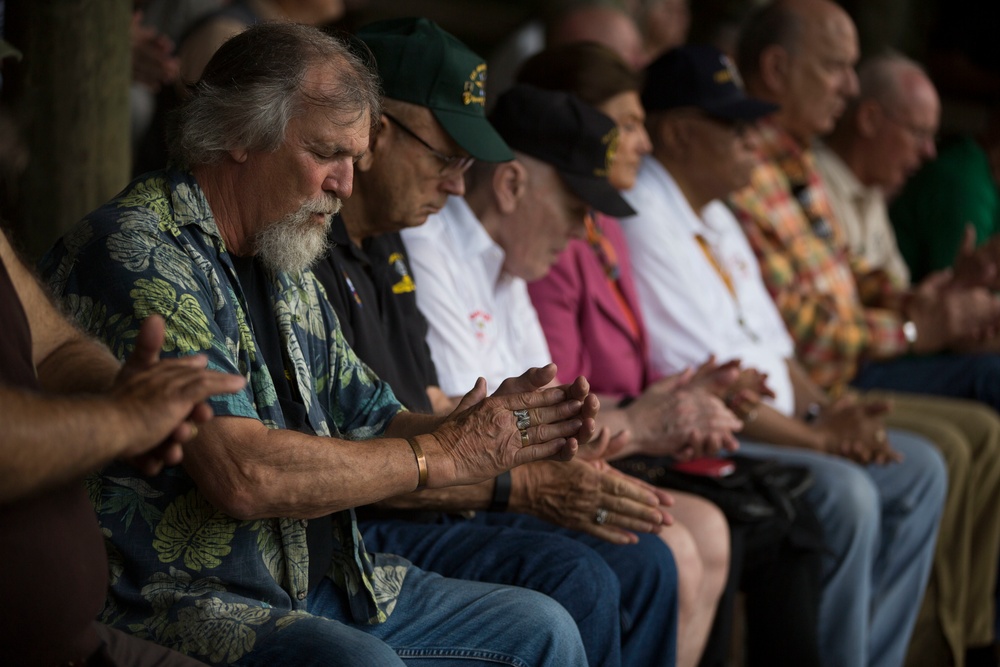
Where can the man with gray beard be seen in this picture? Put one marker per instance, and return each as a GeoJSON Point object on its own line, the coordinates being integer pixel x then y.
{"type": "Point", "coordinates": [295, 242]}
{"type": "Point", "coordinates": [250, 554]}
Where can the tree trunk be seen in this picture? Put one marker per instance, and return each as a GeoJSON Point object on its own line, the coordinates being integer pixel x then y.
{"type": "Point", "coordinates": [74, 103]}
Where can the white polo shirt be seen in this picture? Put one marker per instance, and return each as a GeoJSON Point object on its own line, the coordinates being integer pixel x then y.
{"type": "Point", "coordinates": [480, 319]}
{"type": "Point", "coordinates": [689, 310]}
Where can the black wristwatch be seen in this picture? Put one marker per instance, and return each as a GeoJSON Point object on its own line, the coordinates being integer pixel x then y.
{"type": "Point", "coordinates": [501, 493]}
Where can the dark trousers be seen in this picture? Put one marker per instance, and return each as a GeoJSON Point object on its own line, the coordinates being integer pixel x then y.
{"type": "Point", "coordinates": [781, 586]}
{"type": "Point", "coordinates": [972, 376]}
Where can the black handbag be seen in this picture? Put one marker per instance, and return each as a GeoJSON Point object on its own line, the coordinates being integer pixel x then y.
{"type": "Point", "coordinates": [762, 496]}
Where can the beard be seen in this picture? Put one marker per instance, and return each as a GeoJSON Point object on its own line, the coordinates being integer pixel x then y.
{"type": "Point", "coordinates": [296, 241]}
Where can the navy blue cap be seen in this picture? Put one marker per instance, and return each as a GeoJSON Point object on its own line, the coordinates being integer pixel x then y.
{"type": "Point", "coordinates": [575, 138]}
{"type": "Point", "coordinates": [700, 76]}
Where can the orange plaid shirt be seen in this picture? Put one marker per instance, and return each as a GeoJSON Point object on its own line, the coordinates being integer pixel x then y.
{"type": "Point", "coordinates": [837, 309]}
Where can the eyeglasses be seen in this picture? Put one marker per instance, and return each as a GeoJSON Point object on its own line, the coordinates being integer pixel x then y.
{"type": "Point", "coordinates": [452, 165]}
{"type": "Point", "coordinates": [921, 134]}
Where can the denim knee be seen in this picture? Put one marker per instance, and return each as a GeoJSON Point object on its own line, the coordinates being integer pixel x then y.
{"type": "Point", "coordinates": [846, 503]}
{"type": "Point", "coordinates": [320, 642]}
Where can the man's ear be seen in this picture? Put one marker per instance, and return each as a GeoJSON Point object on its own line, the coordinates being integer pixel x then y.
{"type": "Point", "coordinates": [239, 154]}
{"type": "Point", "coordinates": [868, 118]}
{"type": "Point", "coordinates": [377, 140]}
{"type": "Point", "coordinates": [510, 182]}
{"type": "Point", "coordinates": [674, 134]}
{"type": "Point", "coordinates": [774, 68]}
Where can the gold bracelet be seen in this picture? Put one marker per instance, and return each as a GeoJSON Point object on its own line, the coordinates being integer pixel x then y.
{"type": "Point", "coordinates": [421, 463]}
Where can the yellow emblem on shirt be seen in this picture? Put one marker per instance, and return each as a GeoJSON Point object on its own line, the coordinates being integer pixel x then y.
{"type": "Point", "coordinates": [405, 283]}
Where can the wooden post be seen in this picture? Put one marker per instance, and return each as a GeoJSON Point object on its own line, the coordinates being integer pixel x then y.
{"type": "Point", "coordinates": [74, 103]}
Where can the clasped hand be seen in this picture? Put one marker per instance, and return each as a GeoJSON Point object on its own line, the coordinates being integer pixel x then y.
{"type": "Point", "coordinates": [855, 429]}
{"type": "Point", "coordinates": [480, 439]}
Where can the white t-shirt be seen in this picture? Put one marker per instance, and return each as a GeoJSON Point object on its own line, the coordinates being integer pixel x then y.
{"type": "Point", "coordinates": [689, 310]}
{"type": "Point", "coordinates": [480, 319]}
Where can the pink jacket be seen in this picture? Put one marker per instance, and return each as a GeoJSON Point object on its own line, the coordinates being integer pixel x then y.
{"type": "Point", "coordinates": [586, 330]}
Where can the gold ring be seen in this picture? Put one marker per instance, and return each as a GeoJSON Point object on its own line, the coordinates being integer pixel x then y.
{"type": "Point", "coordinates": [194, 431]}
{"type": "Point", "coordinates": [880, 436]}
{"type": "Point", "coordinates": [524, 438]}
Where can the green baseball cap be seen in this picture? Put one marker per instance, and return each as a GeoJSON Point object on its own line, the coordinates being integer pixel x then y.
{"type": "Point", "coordinates": [422, 64]}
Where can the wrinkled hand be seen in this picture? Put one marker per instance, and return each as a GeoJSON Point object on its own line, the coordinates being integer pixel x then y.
{"type": "Point", "coordinates": [976, 267]}
{"type": "Point", "coordinates": [163, 400]}
{"type": "Point", "coordinates": [855, 430]}
{"type": "Point", "coordinates": [537, 378]}
{"type": "Point", "coordinates": [948, 314]}
{"type": "Point", "coordinates": [570, 495]}
{"type": "Point", "coordinates": [605, 445]}
{"type": "Point", "coordinates": [479, 442]}
{"type": "Point", "coordinates": [685, 423]}
{"type": "Point", "coordinates": [715, 377]}
{"type": "Point", "coordinates": [741, 389]}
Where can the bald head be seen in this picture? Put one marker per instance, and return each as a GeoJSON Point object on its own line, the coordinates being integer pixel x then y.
{"type": "Point", "coordinates": [603, 24]}
{"type": "Point", "coordinates": [800, 54]}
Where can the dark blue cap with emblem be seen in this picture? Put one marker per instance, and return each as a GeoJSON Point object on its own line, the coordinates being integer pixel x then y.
{"type": "Point", "coordinates": [575, 138]}
{"type": "Point", "coordinates": [702, 77]}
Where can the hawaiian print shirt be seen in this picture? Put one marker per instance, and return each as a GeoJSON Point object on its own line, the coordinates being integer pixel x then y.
{"type": "Point", "coordinates": [838, 310]}
{"type": "Point", "coordinates": [183, 573]}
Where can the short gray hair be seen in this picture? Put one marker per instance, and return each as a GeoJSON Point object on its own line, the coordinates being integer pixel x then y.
{"type": "Point", "coordinates": [879, 77]}
{"type": "Point", "coordinates": [253, 86]}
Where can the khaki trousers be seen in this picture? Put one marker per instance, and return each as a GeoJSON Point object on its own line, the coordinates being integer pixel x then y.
{"type": "Point", "coordinates": [958, 607]}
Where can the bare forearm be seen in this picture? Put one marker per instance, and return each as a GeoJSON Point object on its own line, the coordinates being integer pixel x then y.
{"type": "Point", "coordinates": [79, 364]}
{"type": "Point", "coordinates": [773, 427]}
{"type": "Point", "coordinates": [252, 472]}
{"type": "Point", "coordinates": [806, 391]}
{"type": "Point", "coordinates": [48, 440]}
{"type": "Point", "coordinates": [450, 499]}
{"type": "Point", "coordinates": [409, 424]}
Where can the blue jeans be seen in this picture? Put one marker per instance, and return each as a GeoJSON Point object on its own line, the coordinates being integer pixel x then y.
{"type": "Point", "coordinates": [623, 598]}
{"type": "Point", "coordinates": [436, 621]}
{"type": "Point", "coordinates": [971, 376]}
{"type": "Point", "coordinates": [880, 526]}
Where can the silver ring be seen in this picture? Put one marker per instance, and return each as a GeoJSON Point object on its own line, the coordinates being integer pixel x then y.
{"type": "Point", "coordinates": [601, 517]}
{"type": "Point", "coordinates": [524, 438]}
{"type": "Point", "coordinates": [523, 420]}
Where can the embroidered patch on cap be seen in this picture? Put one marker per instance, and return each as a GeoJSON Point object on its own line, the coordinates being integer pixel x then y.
{"type": "Point", "coordinates": [475, 87]}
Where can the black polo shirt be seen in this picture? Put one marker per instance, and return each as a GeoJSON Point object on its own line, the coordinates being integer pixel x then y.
{"type": "Point", "coordinates": [371, 289]}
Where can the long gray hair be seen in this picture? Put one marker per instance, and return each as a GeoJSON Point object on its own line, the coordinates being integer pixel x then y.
{"type": "Point", "coordinates": [253, 86]}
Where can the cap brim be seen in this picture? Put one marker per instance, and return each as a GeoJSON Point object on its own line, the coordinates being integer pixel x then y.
{"type": "Point", "coordinates": [599, 193]}
{"type": "Point", "coordinates": [475, 134]}
{"type": "Point", "coordinates": [743, 109]}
